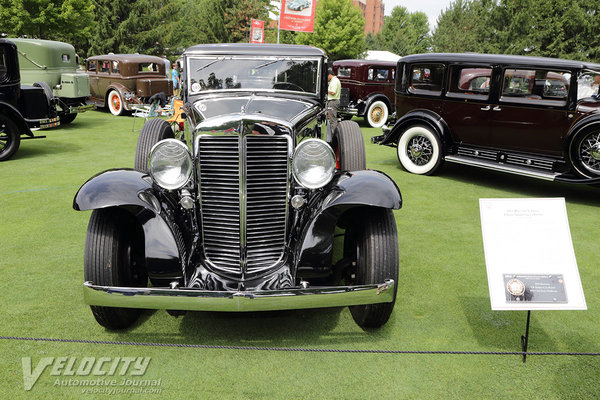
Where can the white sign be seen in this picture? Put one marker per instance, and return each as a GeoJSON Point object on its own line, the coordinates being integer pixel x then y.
{"type": "Point", "coordinates": [529, 255]}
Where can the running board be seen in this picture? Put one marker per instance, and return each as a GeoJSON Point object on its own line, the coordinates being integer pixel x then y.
{"type": "Point", "coordinates": [512, 169]}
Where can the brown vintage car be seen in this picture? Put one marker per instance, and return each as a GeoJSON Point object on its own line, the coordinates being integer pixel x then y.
{"type": "Point", "coordinates": [370, 87]}
{"type": "Point", "coordinates": [533, 116]}
{"type": "Point", "coordinates": [121, 80]}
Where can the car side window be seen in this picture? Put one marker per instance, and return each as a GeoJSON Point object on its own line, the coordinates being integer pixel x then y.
{"type": "Point", "coordinates": [588, 83]}
{"type": "Point", "coordinates": [66, 58]}
{"type": "Point", "coordinates": [470, 82]}
{"type": "Point", "coordinates": [541, 87]}
{"type": "Point", "coordinates": [115, 67]}
{"type": "Point", "coordinates": [104, 66]}
{"type": "Point", "coordinates": [426, 78]}
{"type": "Point", "coordinates": [91, 66]}
{"type": "Point", "coordinates": [378, 74]}
{"type": "Point", "coordinates": [344, 72]}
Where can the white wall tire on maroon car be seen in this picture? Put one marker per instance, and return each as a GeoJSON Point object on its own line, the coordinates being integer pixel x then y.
{"type": "Point", "coordinates": [115, 103]}
{"type": "Point", "coordinates": [377, 114]}
{"type": "Point", "coordinates": [419, 150]}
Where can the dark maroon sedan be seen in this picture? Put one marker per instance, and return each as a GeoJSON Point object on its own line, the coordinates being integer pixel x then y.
{"type": "Point", "coordinates": [532, 116]}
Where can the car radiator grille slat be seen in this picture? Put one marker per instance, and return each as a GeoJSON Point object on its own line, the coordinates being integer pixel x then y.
{"type": "Point", "coordinates": [262, 226]}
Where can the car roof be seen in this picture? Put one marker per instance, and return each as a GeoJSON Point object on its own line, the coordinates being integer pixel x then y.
{"type": "Point", "coordinates": [266, 49]}
{"type": "Point", "coordinates": [132, 58]}
{"type": "Point", "coordinates": [498, 59]}
{"type": "Point", "coordinates": [361, 62]}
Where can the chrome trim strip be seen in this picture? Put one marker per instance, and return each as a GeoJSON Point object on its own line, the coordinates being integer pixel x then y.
{"type": "Point", "coordinates": [243, 187]}
{"type": "Point", "coordinates": [513, 169]}
{"type": "Point", "coordinates": [261, 300]}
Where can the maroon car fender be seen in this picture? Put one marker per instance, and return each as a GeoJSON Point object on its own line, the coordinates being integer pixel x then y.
{"type": "Point", "coordinates": [373, 97]}
{"type": "Point", "coordinates": [132, 191]}
{"type": "Point", "coordinates": [422, 117]}
{"type": "Point", "coordinates": [350, 190]}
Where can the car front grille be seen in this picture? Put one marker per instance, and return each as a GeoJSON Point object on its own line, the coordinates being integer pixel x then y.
{"type": "Point", "coordinates": [243, 189]}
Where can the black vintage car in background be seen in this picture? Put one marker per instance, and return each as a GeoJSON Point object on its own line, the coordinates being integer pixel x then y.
{"type": "Point", "coordinates": [240, 213]}
{"type": "Point", "coordinates": [22, 108]}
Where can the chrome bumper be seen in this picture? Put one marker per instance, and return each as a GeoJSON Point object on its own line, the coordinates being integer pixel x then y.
{"type": "Point", "coordinates": [260, 300]}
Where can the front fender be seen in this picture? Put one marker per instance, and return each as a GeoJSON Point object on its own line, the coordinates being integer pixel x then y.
{"type": "Point", "coordinates": [14, 114]}
{"type": "Point", "coordinates": [351, 190]}
{"type": "Point", "coordinates": [421, 117]}
{"type": "Point", "coordinates": [132, 191]}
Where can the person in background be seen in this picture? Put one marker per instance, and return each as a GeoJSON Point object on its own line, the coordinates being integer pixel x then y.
{"type": "Point", "coordinates": [334, 89]}
{"type": "Point", "coordinates": [176, 80]}
{"type": "Point", "coordinates": [167, 66]}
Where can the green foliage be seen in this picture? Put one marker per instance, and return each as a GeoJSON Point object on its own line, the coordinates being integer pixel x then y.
{"type": "Point", "coordinates": [339, 29]}
{"type": "Point", "coordinates": [405, 33]}
{"type": "Point", "coordinates": [549, 28]}
{"type": "Point", "coordinates": [70, 21]}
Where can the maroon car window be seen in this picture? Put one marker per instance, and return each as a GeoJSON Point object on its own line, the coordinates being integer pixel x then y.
{"type": "Point", "coordinates": [469, 82]}
{"type": "Point", "coordinates": [426, 78]}
{"type": "Point", "coordinates": [378, 74]}
{"type": "Point", "coordinates": [344, 72]}
{"type": "Point", "coordinates": [535, 86]}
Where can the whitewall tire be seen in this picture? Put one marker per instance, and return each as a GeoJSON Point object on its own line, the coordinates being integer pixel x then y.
{"type": "Point", "coordinates": [419, 150]}
{"type": "Point", "coordinates": [377, 114]}
{"type": "Point", "coordinates": [115, 103]}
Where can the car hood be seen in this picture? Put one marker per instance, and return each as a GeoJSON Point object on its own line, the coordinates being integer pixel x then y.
{"type": "Point", "coordinates": [283, 110]}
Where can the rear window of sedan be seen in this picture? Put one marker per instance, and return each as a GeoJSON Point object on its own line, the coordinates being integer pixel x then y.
{"type": "Point", "coordinates": [426, 78]}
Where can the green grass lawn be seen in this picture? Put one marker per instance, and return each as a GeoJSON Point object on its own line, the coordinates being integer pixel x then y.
{"type": "Point", "coordinates": [442, 304]}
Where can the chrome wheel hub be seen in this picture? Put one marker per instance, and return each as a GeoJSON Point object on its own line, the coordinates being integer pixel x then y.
{"type": "Point", "coordinates": [420, 150]}
{"type": "Point", "coordinates": [589, 152]}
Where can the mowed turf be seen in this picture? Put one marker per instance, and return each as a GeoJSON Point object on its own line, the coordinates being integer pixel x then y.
{"type": "Point", "coordinates": [442, 304]}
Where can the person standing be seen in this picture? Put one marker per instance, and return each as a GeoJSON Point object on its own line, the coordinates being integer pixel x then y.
{"type": "Point", "coordinates": [334, 90]}
{"type": "Point", "coordinates": [176, 80]}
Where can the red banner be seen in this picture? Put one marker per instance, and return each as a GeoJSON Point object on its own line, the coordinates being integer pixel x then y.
{"type": "Point", "coordinates": [257, 31]}
{"type": "Point", "coordinates": [297, 15]}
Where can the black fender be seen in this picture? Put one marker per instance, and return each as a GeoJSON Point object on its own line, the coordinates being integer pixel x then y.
{"type": "Point", "coordinates": [14, 114]}
{"type": "Point", "coordinates": [371, 98]}
{"type": "Point", "coordinates": [350, 190]}
{"type": "Point", "coordinates": [578, 126]}
{"type": "Point", "coordinates": [132, 191]}
{"type": "Point", "coordinates": [421, 117]}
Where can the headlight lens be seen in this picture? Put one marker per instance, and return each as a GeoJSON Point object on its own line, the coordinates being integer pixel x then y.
{"type": "Point", "coordinates": [314, 163]}
{"type": "Point", "coordinates": [170, 164]}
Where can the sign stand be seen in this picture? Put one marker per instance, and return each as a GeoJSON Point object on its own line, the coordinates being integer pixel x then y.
{"type": "Point", "coordinates": [525, 338]}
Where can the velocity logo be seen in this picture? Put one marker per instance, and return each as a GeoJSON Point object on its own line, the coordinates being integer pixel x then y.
{"type": "Point", "coordinates": [86, 366]}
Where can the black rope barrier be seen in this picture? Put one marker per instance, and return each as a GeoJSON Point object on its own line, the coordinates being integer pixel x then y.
{"type": "Point", "coordinates": [299, 349]}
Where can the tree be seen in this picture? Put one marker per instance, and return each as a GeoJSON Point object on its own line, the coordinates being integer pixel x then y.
{"type": "Point", "coordinates": [339, 29]}
{"type": "Point", "coordinates": [64, 20]}
{"type": "Point", "coordinates": [405, 33]}
{"type": "Point", "coordinates": [468, 25]}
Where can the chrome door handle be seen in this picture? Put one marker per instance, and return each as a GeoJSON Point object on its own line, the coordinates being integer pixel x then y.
{"type": "Point", "coordinates": [497, 108]}
{"type": "Point", "coordinates": [486, 108]}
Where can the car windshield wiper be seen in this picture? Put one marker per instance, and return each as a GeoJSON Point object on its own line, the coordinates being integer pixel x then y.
{"type": "Point", "coordinates": [210, 63]}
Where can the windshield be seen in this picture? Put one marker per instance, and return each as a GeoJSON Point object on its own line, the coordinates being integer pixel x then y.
{"type": "Point", "coordinates": [230, 73]}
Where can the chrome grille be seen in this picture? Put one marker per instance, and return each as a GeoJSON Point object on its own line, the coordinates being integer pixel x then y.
{"type": "Point", "coordinates": [244, 189]}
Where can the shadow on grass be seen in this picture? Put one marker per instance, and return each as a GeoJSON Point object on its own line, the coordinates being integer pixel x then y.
{"type": "Point", "coordinates": [503, 329]}
{"type": "Point", "coordinates": [520, 185]}
{"type": "Point", "coordinates": [288, 328]}
{"type": "Point", "coordinates": [30, 148]}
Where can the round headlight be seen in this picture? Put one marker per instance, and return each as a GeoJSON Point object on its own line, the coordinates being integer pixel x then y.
{"type": "Point", "coordinates": [314, 163]}
{"type": "Point", "coordinates": [170, 164]}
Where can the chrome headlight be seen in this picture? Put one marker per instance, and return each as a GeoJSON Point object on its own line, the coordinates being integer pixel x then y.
{"type": "Point", "coordinates": [170, 164]}
{"type": "Point", "coordinates": [314, 163]}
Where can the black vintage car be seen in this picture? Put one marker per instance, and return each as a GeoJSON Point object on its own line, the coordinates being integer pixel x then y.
{"type": "Point", "coordinates": [240, 213]}
{"type": "Point", "coordinates": [22, 108]}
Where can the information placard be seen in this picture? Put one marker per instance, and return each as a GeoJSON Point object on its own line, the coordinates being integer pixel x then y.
{"type": "Point", "coordinates": [529, 255]}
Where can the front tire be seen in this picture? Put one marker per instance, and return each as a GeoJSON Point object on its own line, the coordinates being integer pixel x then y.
{"type": "Point", "coordinates": [585, 153]}
{"type": "Point", "coordinates": [377, 114]}
{"type": "Point", "coordinates": [152, 132]}
{"type": "Point", "coordinates": [349, 147]}
{"type": "Point", "coordinates": [10, 139]}
{"type": "Point", "coordinates": [420, 150]}
{"type": "Point", "coordinates": [374, 246]}
{"type": "Point", "coordinates": [115, 103]}
{"type": "Point", "coordinates": [111, 259]}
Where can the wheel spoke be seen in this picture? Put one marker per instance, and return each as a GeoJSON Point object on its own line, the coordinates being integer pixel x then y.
{"type": "Point", "coordinates": [420, 150]}
{"type": "Point", "coordinates": [589, 152]}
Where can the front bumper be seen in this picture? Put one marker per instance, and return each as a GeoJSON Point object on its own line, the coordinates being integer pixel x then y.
{"type": "Point", "coordinates": [260, 300]}
{"type": "Point", "coordinates": [80, 109]}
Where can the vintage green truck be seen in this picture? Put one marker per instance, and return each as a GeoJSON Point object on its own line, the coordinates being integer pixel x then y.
{"type": "Point", "coordinates": [54, 67]}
